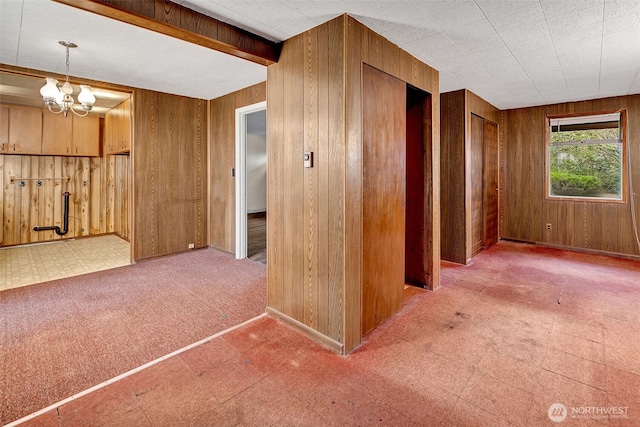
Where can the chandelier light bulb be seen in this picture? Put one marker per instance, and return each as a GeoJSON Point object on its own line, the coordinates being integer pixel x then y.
{"type": "Point", "coordinates": [86, 97]}
{"type": "Point", "coordinates": [50, 90]}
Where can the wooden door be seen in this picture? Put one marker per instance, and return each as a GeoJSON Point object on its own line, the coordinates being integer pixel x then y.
{"type": "Point", "coordinates": [476, 166]}
{"type": "Point", "coordinates": [490, 208]}
{"type": "Point", "coordinates": [56, 134]}
{"type": "Point", "coordinates": [383, 196]}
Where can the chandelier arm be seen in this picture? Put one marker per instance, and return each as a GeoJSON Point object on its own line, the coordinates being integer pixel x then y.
{"type": "Point", "coordinates": [60, 110]}
{"type": "Point", "coordinates": [73, 110]}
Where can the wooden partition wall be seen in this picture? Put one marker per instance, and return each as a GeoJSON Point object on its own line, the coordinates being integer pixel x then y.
{"type": "Point", "coordinates": [457, 171]}
{"type": "Point", "coordinates": [169, 173]}
{"type": "Point", "coordinates": [598, 226]}
{"type": "Point", "coordinates": [315, 241]}
{"type": "Point", "coordinates": [223, 156]}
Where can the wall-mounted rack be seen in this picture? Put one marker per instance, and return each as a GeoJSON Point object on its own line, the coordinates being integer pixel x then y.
{"type": "Point", "coordinates": [21, 181]}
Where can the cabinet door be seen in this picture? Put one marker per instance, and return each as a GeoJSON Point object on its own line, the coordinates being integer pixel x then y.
{"type": "Point", "coordinates": [25, 130]}
{"type": "Point", "coordinates": [86, 136]}
{"type": "Point", "coordinates": [4, 129]}
{"type": "Point", "coordinates": [56, 134]}
{"type": "Point", "coordinates": [125, 125]}
{"type": "Point", "coordinates": [109, 131]}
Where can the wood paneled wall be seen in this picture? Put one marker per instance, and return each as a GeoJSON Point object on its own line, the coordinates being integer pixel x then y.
{"type": "Point", "coordinates": [314, 231]}
{"type": "Point", "coordinates": [169, 157]}
{"type": "Point", "coordinates": [223, 156]}
{"type": "Point", "coordinates": [452, 177]}
{"type": "Point", "coordinates": [92, 184]}
{"type": "Point", "coordinates": [586, 225]}
{"type": "Point", "coordinates": [456, 110]}
{"type": "Point", "coordinates": [121, 195]}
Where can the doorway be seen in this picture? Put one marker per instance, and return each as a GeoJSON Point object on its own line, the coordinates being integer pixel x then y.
{"type": "Point", "coordinates": [251, 182]}
{"type": "Point", "coordinates": [396, 119]}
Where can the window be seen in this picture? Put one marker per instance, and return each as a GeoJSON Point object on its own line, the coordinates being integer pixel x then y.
{"type": "Point", "coordinates": [586, 157]}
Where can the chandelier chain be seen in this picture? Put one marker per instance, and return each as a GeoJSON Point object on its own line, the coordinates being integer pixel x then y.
{"type": "Point", "coordinates": [67, 63]}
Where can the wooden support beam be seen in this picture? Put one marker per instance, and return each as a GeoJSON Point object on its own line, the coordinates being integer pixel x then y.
{"type": "Point", "coordinates": [174, 20]}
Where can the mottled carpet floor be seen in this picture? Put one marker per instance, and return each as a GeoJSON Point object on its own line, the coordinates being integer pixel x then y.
{"type": "Point", "coordinates": [522, 335]}
{"type": "Point", "coordinates": [61, 337]}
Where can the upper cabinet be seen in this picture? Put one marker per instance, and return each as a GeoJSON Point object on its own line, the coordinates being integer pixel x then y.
{"type": "Point", "coordinates": [28, 130]}
{"type": "Point", "coordinates": [117, 125]}
{"type": "Point", "coordinates": [25, 130]}
{"type": "Point", "coordinates": [85, 140]}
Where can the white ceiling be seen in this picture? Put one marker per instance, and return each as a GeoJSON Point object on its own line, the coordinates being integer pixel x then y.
{"type": "Point", "coordinates": [513, 53]}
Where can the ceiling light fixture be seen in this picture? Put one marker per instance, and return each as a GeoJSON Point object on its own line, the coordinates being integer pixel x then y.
{"type": "Point", "coordinates": [53, 96]}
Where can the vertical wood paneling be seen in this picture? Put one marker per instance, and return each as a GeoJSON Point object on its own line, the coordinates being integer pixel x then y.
{"type": "Point", "coordinates": [275, 184]}
{"type": "Point", "coordinates": [222, 160]}
{"type": "Point", "coordinates": [335, 170]}
{"type": "Point", "coordinates": [452, 178]}
{"type": "Point", "coordinates": [293, 180]}
{"type": "Point", "coordinates": [491, 183]}
{"type": "Point", "coordinates": [311, 179]}
{"type": "Point", "coordinates": [355, 52]}
{"type": "Point", "coordinates": [169, 196]}
{"type": "Point", "coordinates": [33, 205]}
{"type": "Point", "coordinates": [460, 174]}
{"type": "Point", "coordinates": [596, 226]}
{"type": "Point", "coordinates": [476, 189]}
{"type": "Point", "coordinates": [323, 272]}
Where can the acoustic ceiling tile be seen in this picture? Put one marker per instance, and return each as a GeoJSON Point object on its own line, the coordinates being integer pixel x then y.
{"type": "Point", "coordinates": [402, 34]}
{"type": "Point", "coordinates": [493, 9]}
{"type": "Point", "coordinates": [473, 31]}
{"type": "Point", "coordinates": [621, 9]}
{"type": "Point", "coordinates": [448, 14]}
{"type": "Point", "coordinates": [555, 8]}
{"type": "Point", "coordinates": [431, 43]}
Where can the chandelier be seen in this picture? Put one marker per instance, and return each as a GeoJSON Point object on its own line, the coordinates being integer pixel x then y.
{"type": "Point", "coordinates": [59, 100]}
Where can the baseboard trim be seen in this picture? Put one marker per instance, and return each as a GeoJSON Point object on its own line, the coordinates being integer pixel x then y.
{"type": "Point", "coordinates": [589, 251]}
{"type": "Point", "coordinates": [311, 333]}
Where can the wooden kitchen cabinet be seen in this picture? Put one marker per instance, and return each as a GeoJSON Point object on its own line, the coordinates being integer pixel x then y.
{"type": "Point", "coordinates": [118, 129]}
{"type": "Point", "coordinates": [85, 139]}
{"type": "Point", "coordinates": [56, 134]}
{"type": "Point", "coordinates": [71, 135]}
{"type": "Point", "coordinates": [25, 130]}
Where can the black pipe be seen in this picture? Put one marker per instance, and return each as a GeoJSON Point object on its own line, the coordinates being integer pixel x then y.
{"type": "Point", "coordinates": [66, 219]}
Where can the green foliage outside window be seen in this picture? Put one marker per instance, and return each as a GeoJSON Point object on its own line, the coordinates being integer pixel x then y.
{"type": "Point", "coordinates": [584, 169]}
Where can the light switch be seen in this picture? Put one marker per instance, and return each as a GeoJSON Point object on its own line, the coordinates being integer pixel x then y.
{"type": "Point", "coordinates": [308, 159]}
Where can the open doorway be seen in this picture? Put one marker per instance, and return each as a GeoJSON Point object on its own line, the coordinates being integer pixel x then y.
{"type": "Point", "coordinates": [251, 182]}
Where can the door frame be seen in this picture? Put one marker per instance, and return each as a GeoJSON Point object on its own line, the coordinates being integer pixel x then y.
{"type": "Point", "coordinates": [241, 175]}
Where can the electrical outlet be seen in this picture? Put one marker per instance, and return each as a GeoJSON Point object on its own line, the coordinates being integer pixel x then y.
{"type": "Point", "coordinates": [549, 226]}
{"type": "Point", "coordinates": [191, 246]}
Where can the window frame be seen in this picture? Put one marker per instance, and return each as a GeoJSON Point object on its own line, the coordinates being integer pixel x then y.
{"type": "Point", "coordinates": [623, 163]}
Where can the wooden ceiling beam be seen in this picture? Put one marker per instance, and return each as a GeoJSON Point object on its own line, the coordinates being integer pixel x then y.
{"type": "Point", "coordinates": [174, 20]}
